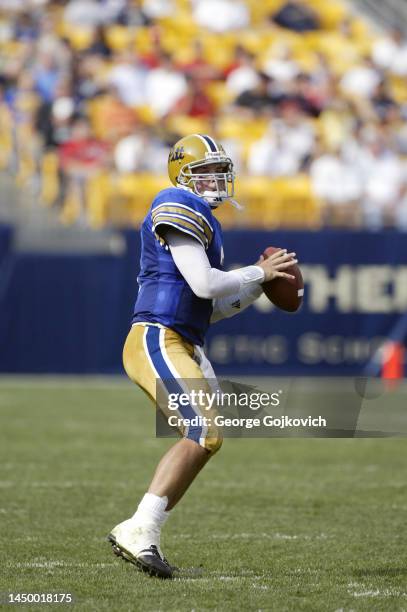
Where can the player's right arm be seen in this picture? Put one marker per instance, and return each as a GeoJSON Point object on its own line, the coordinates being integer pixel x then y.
{"type": "Point", "coordinates": [210, 283]}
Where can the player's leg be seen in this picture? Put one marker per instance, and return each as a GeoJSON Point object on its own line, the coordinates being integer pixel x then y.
{"type": "Point", "coordinates": [177, 470]}
{"type": "Point", "coordinates": [181, 464]}
{"type": "Point", "coordinates": [152, 353]}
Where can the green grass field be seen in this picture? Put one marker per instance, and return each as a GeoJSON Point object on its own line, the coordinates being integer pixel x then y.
{"type": "Point", "coordinates": [277, 524]}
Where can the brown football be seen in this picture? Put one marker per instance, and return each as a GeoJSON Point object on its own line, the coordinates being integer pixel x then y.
{"type": "Point", "coordinates": [285, 293]}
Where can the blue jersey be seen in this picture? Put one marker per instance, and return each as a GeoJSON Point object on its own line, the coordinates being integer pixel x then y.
{"type": "Point", "coordinates": [164, 295]}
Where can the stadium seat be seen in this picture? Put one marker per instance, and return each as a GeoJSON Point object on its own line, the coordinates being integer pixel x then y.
{"type": "Point", "coordinates": [331, 13]}
{"type": "Point", "coordinates": [49, 178]}
{"type": "Point", "coordinates": [6, 139]}
{"type": "Point", "coordinates": [184, 125]}
{"type": "Point", "coordinates": [218, 51]}
{"type": "Point", "coordinates": [143, 42]}
{"type": "Point", "coordinates": [119, 38]}
{"type": "Point", "coordinates": [79, 37]}
{"type": "Point", "coordinates": [134, 194]}
{"type": "Point", "coordinates": [399, 88]}
{"type": "Point", "coordinates": [98, 193]}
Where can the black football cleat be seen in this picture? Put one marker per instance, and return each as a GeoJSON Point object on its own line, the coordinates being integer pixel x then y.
{"type": "Point", "coordinates": [147, 560]}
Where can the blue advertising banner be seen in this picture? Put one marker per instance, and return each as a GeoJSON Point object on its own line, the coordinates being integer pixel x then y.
{"type": "Point", "coordinates": [355, 293]}
{"type": "Point", "coordinates": [71, 313]}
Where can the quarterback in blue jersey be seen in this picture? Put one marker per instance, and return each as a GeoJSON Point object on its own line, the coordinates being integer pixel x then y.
{"type": "Point", "coordinates": [182, 290]}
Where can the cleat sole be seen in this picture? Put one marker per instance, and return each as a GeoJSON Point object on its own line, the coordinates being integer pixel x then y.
{"type": "Point", "coordinates": [139, 563]}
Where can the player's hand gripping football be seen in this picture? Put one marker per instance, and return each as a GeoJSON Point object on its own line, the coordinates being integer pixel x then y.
{"type": "Point", "coordinates": [275, 265]}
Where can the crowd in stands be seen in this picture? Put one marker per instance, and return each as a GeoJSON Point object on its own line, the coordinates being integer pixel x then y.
{"type": "Point", "coordinates": [308, 100]}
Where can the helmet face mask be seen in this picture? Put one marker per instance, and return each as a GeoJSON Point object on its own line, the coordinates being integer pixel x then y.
{"type": "Point", "coordinates": [212, 179]}
{"type": "Point", "coordinates": [197, 162]}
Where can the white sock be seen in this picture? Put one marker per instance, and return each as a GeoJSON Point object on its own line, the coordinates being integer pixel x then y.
{"type": "Point", "coordinates": [151, 511]}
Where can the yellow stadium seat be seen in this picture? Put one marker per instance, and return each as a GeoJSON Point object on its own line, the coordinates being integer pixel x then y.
{"type": "Point", "coordinates": [6, 138]}
{"type": "Point", "coordinates": [247, 130]}
{"type": "Point", "coordinates": [399, 89]}
{"type": "Point", "coordinates": [296, 204]}
{"type": "Point", "coordinates": [260, 10]}
{"type": "Point", "coordinates": [218, 50]}
{"type": "Point", "coordinates": [184, 125]}
{"type": "Point", "coordinates": [97, 193]}
{"type": "Point", "coordinates": [72, 207]}
{"type": "Point", "coordinates": [119, 38]}
{"type": "Point", "coordinates": [79, 37]}
{"type": "Point", "coordinates": [279, 202]}
{"type": "Point", "coordinates": [330, 13]}
{"type": "Point", "coordinates": [146, 114]}
{"type": "Point", "coordinates": [228, 216]}
{"type": "Point", "coordinates": [143, 42]}
{"type": "Point", "coordinates": [136, 192]}
{"type": "Point", "coordinates": [219, 93]}
{"type": "Point", "coordinates": [49, 178]}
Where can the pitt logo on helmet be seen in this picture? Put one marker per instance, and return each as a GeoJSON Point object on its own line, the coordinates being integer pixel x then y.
{"type": "Point", "coordinates": [197, 162]}
{"type": "Point", "coordinates": [176, 154]}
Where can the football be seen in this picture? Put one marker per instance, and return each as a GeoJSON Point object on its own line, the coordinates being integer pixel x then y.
{"type": "Point", "coordinates": [285, 293]}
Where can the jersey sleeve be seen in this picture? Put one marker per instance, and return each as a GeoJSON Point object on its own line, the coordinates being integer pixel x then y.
{"type": "Point", "coordinates": [187, 215]}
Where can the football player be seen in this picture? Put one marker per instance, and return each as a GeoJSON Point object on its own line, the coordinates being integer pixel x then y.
{"type": "Point", "coordinates": [182, 289]}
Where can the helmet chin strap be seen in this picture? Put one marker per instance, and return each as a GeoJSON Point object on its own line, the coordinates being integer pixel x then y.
{"type": "Point", "coordinates": [214, 201]}
{"type": "Point", "coordinates": [236, 204]}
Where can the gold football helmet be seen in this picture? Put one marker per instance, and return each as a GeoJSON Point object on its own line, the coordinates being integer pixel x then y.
{"type": "Point", "coordinates": [197, 162]}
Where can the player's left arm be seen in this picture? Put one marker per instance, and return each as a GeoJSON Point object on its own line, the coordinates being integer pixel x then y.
{"type": "Point", "coordinates": [226, 307]}
{"type": "Point", "coordinates": [231, 305]}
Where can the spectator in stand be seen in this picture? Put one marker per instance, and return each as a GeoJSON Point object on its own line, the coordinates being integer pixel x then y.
{"type": "Point", "coordinates": [114, 118]}
{"type": "Point", "coordinates": [270, 157]}
{"type": "Point", "coordinates": [46, 75]}
{"type": "Point", "coordinates": [303, 93]}
{"type": "Point", "coordinates": [80, 156]}
{"type": "Point", "coordinates": [130, 153]}
{"type": "Point", "coordinates": [322, 73]}
{"type": "Point", "coordinates": [199, 69]}
{"type": "Point", "coordinates": [49, 43]}
{"type": "Point", "coordinates": [280, 65]}
{"type": "Point", "coordinates": [26, 27]}
{"type": "Point", "coordinates": [383, 103]}
{"type": "Point", "coordinates": [87, 77]}
{"type": "Point", "coordinates": [195, 103]}
{"type": "Point", "coordinates": [132, 15]}
{"type": "Point", "coordinates": [308, 95]}
{"type": "Point", "coordinates": [152, 58]}
{"type": "Point", "coordinates": [239, 59]}
{"type": "Point", "coordinates": [221, 15]}
{"type": "Point", "coordinates": [287, 146]}
{"type": "Point", "coordinates": [53, 119]}
{"type": "Point", "coordinates": [92, 13]}
{"type": "Point", "coordinates": [99, 44]}
{"type": "Point", "coordinates": [85, 13]}
{"type": "Point", "coordinates": [129, 76]}
{"type": "Point", "coordinates": [164, 87]}
{"type": "Point", "coordinates": [338, 184]}
{"type": "Point", "coordinates": [296, 15]}
{"type": "Point", "coordinates": [157, 9]}
{"type": "Point", "coordinates": [361, 80]}
{"type": "Point", "coordinates": [245, 76]}
{"type": "Point", "coordinates": [141, 151]}
{"type": "Point", "coordinates": [82, 153]}
{"type": "Point", "coordinates": [383, 183]}
{"type": "Point", "coordinates": [390, 52]}
{"type": "Point", "coordinates": [260, 99]}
